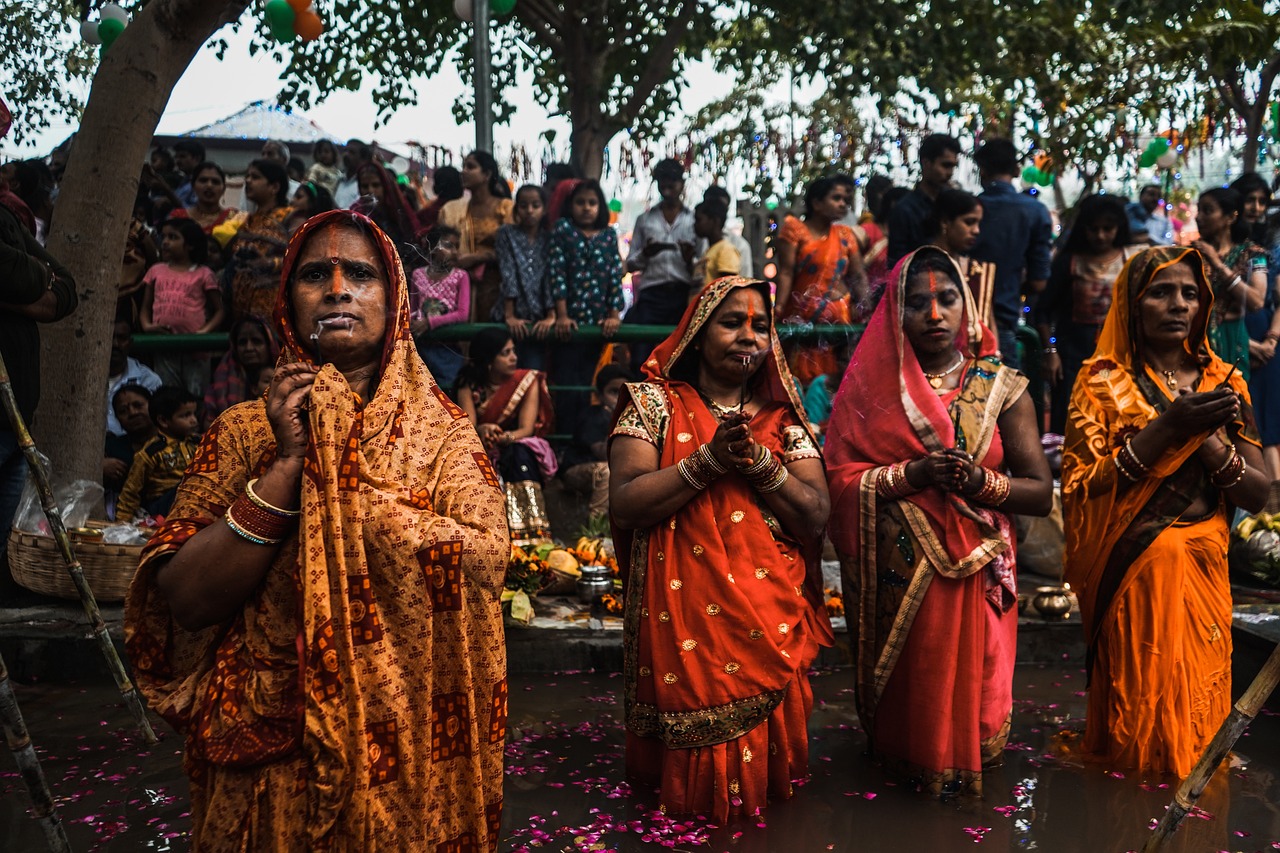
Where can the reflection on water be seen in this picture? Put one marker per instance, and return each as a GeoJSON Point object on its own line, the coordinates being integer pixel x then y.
{"type": "Point", "coordinates": [565, 788]}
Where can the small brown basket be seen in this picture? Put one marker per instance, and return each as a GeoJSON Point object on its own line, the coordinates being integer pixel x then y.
{"type": "Point", "coordinates": [36, 564]}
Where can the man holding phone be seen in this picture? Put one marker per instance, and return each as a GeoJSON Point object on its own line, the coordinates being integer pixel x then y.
{"type": "Point", "coordinates": [662, 246]}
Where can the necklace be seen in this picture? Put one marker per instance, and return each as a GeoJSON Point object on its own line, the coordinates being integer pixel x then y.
{"type": "Point", "coordinates": [1171, 379]}
{"type": "Point", "coordinates": [935, 379]}
{"type": "Point", "coordinates": [719, 411]}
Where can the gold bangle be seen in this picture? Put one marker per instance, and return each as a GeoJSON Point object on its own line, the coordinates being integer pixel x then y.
{"type": "Point", "coordinates": [259, 502]}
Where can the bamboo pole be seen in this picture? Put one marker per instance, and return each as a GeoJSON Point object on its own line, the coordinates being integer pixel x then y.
{"type": "Point", "coordinates": [1242, 714]}
{"type": "Point", "coordinates": [24, 753]}
{"type": "Point", "coordinates": [51, 511]}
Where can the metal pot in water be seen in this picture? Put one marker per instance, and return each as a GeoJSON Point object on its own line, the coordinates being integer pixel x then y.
{"type": "Point", "coordinates": [1052, 602]}
{"type": "Point", "coordinates": [594, 582]}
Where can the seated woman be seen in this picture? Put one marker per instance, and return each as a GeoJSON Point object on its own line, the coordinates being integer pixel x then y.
{"type": "Point", "coordinates": [319, 616]}
{"type": "Point", "coordinates": [718, 505]}
{"type": "Point", "coordinates": [921, 503]}
{"type": "Point", "coordinates": [253, 347]}
{"type": "Point", "coordinates": [1160, 450]}
{"type": "Point", "coordinates": [512, 410]}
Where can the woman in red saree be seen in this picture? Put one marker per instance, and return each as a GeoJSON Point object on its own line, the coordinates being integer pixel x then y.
{"type": "Point", "coordinates": [1160, 447]}
{"type": "Point", "coordinates": [319, 615]}
{"type": "Point", "coordinates": [513, 412]}
{"type": "Point", "coordinates": [718, 504]}
{"type": "Point", "coordinates": [820, 273]}
{"type": "Point", "coordinates": [931, 444]}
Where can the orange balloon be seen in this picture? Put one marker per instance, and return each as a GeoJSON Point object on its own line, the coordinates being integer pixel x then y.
{"type": "Point", "coordinates": [300, 6]}
{"type": "Point", "coordinates": [308, 25]}
{"type": "Point", "coordinates": [613, 217]}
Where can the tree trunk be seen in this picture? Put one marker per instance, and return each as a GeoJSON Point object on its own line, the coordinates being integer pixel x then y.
{"type": "Point", "coordinates": [95, 203]}
{"type": "Point", "coordinates": [1253, 119]}
{"type": "Point", "coordinates": [587, 142]}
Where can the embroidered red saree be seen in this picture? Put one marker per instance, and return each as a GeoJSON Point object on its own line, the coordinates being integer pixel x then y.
{"type": "Point", "coordinates": [1153, 587]}
{"type": "Point", "coordinates": [928, 579]}
{"type": "Point", "coordinates": [527, 463]}
{"type": "Point", "coordinates": [724, 610]}
{"type": "Point", "coordinates": [357, 702]}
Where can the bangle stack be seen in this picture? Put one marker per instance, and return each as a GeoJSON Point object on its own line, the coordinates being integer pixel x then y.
{"type": "Point", "coordinates": [1128, 463]}
{"type": "Point", "coordinates": [892, 482]}
{"type": "Point", "coordinates": [253, 519]}
{"type": "Point", "coordinates": [700, 468]}
{"type": "Point", "coordinates": [767, 474]}
{"type": "Point", "coordinates": [995, 488]}
{"type": "Point", "coordinates": [1231, 472]}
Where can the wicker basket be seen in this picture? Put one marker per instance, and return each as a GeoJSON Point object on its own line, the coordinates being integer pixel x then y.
{"type": "Point", "coordinates": [37, 564]}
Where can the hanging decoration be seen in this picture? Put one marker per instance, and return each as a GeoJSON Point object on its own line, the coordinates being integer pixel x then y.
{"type": "Point", "coordinates": [110, 24]}
{"type": "Point", "coordinates": [290, 19]}
{"type": "Point", "coordinates": [1154, 151]}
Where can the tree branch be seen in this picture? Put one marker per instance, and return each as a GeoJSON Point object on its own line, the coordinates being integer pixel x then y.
{"type": "Point", "coordinates": [535, 16]}
{"type": "Point", "coordinates": [657, 64]}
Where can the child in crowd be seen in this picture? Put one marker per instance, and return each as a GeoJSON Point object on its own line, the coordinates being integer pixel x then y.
{"type": "Point", "coordinates": [153, 477]}
{"type": "Point", "coordinates": [325, 171]}
{"type": "Point", "coordinates": [522, 250]}
{"type": "Point", "coordinates": [310, 199]}
{"type": "Point", "coordinates": [262, 379]}
{"type": "Point", "coordinates": [584, 270]}
{"type": "Point", "coordinates": [586, 463]}
{"type": "Point", "coordinates": [822, 390]}
{"type": "Point", "coordinates": [181, 297]}
{"type": "Point", "coordinates": [131, 407]}
{"type": "Point", "coordinates": [440, 296]}
{"type": "Point", "coordinates": [721, 258]}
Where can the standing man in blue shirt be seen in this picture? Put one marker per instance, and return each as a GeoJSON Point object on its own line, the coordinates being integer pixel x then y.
{"type": "Point", "coordinates": [662, 245]}
{"type": "Point", "coordinates": [1145, 219]}
{"type": "Point", "coordinates": [1017, 236]}
{"type": "Point", "coordinates": [939, 156]}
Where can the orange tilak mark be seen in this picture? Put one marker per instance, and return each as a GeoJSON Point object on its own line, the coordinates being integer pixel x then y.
{"type": "Point", "coordinates": [933, 303]}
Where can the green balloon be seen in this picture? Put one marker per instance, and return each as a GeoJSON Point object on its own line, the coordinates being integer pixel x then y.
{"type": "Point", "coordinates": [615, 204]}
{"type": "Point", "coordinates": [502, 7]}
{"type": "Point", "coordinates": [280, 17]}
{"type": "Point", "coordinates": [1031, 175]}
{"type": "Point", "coordinates": [1046, 179]}
{"type": "Point", "coordinates": [1148, 159]}
{"type": "Point", "coordinates": [109, 29]}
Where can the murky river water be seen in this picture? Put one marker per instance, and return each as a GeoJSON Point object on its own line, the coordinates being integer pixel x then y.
{"type": "Point", "coordinates": [566, 791]}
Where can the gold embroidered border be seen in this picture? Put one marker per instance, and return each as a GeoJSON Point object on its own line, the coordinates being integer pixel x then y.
{"type": "Point", "coordinates": [705, 727]}
{"type": "Point", "coordinates": [517, 396]}
{"type": "Point", "coordinates": [937, 556]}
{"type": "Point", "coordinates": [902, 622]}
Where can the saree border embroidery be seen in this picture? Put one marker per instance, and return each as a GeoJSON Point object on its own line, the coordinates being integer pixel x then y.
{"type": "Point", "coordinates": [651, 403]}
{"type": "Point", "coordinates": [517, 396]}
{"type": "Point", "coordinates": [705, 726]}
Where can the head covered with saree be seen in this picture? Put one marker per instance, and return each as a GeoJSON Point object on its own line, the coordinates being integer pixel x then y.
{"type": "Point", "coordinates": [721, 575]}
{"type": "Point", "coordinates": [399, 555]}
{"type": "Point", "coordinates": [1116, 394]}
{"type": "Point", "coordinates": [886, 412]}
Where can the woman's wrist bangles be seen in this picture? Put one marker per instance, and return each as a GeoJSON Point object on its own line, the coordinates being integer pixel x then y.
{"type": "Point", "coordinates": [1231, 472]}
{"type": "Point", "coordinates": [767, 474]}
{"type": "Point", "coordinates": [257, 521]}
{"type": "Point", "coordinates": [892, 482]}
{"type": "Point", "coordinates": [1128, 463]}
{"type": "Point", "coordinates": [700, 468]}
{"type": "Point", "coordinates": [995, 488]}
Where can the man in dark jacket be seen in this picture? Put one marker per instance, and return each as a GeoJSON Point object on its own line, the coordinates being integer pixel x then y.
{"type": "Point", "coordinates": [34, 288]}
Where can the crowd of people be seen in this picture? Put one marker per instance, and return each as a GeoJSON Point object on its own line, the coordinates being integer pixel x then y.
{"type": "Point", "coordinates": [349, 517]}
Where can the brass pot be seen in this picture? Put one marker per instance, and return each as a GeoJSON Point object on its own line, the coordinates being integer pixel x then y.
{"type": "Point", "coordinates": [1052, 602]}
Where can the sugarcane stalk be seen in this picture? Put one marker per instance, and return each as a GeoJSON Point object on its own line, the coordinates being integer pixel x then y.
{"type": "Point", "coordinates": [59, 529]}
{"type": "Point", "coordinates": [24, 754]}
{"type": "Point", "coordinates": [1242, 714]}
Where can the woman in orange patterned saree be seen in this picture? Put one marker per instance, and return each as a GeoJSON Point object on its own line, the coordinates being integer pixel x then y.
{"type": "Point", "coordinates": [718, 505]}
{"type": "Point", "coordinates": [319, 615]}
{"type": "Point", "coordinates": [1160, 447]}
{"type": "Point", "coordinates": [923, 430]}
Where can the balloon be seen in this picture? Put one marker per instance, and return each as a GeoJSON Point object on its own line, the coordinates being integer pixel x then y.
{"type": "Point", "coordinates": [1046, 179]}
{"type": "Point", "coordinates": [615, 204]}
{"type": "Point", "coordinates": [1167, 160]}
{"type": "Point", "coordinates": [1031, 175]}
{"type": "Point", "coordinates": [300, 6]}
{"type": "Point", "coordinates": [502, 7]}
{"type": "Point", "coordinates": [280, 18]}
{"type": "Point", "coordinates": [613, 217]}
{"type": "Point", "coordinates": [308, 25]}
{"type": "Point", "coordinates": [1147, 160]}
{"type": "Point", "coordinates": [89, 32]}
{"type": "Point", "coordinates": [113, 12]}
{"type": "Point", "coordinates": [464, 9]}
{"type": "Point", "coordinates": [109, 29]}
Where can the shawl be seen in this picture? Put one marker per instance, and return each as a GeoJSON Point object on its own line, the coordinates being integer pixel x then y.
{"type": "Point", "coordinates": [721, 576]}
{"type": "Point", "coordinates": [885, 412]}
{"type": "Point", "coordinates": [230, 385]}
{"type": "Point", "coordinates": [369, 667]}
{"type": "Point", "coordinates": [1115, 395]}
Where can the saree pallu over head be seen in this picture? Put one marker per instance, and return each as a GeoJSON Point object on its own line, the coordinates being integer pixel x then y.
{"type": "Point", "coordinates": [357, 701]}
{"type": "Point", "coordinates": [230, 385]}
{"type": "Point", "coordinates": [886, 412]}
{"type": "Point", "coordinates": [1115, 395]}
{"type": "Point", "coordinates": [724, 611]}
